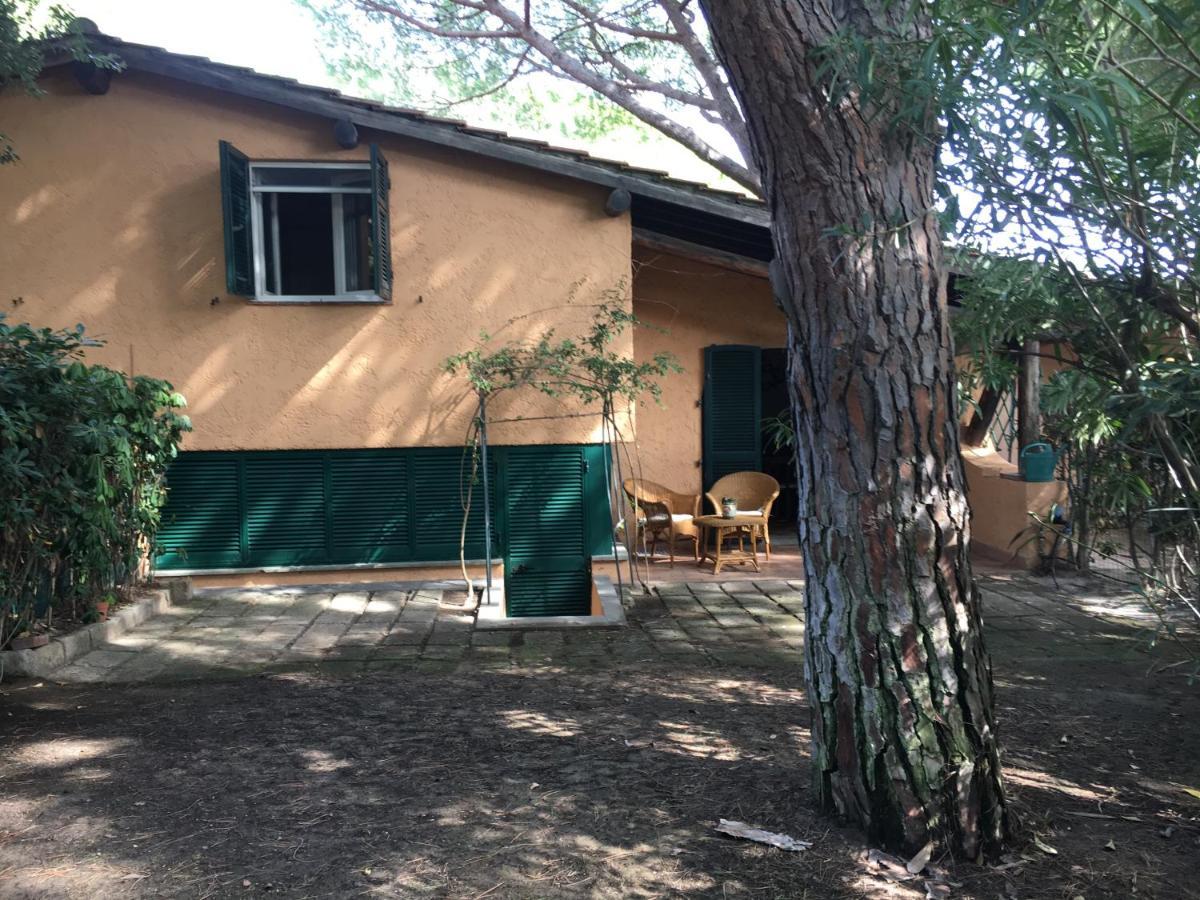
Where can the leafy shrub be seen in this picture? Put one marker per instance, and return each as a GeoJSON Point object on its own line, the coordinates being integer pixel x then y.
{"type": "Point", "coordinates": [83, 454]}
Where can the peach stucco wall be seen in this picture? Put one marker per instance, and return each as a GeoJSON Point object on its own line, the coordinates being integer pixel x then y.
{"type": "Point", "coordinates": [1001, 506]}
{"type": "Point", "coordinates": [694, 305]}
{"type": "Point", "coordinates": [112, 218]}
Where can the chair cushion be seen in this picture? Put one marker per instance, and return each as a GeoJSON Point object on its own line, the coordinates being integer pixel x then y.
{"type": "Point", "coordinates": [681, 517]}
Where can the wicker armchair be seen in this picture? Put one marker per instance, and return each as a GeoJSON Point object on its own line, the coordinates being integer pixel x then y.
{"type": "Point", "coordinates": [753, 491]}
{"type": "Point", "coordinates": [663, 514]}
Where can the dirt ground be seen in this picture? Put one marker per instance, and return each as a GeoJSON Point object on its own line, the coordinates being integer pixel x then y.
{"type": "Point", "coordinates": [589, 781]}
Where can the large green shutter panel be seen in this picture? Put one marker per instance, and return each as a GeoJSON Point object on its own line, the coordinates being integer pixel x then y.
{"type": "Point", "coordinates": [732, 426]}
{"type": "Point", "coordinates": [547, 557]}
{"type": "Point", "coordinates": [250, 509]}
{"type": "Point", "coordinates": [438, 498]}
{"type": "Point", "coordinates": [369, 507]}
{"type": "Point", "coordinates": [201, 525]}
{"type": "Point", "coordinates": [309, 507]}
{"type": "Point", "coordinates": [235, 210]}
{"type": "Point", "coordinates": [285, 509]}
{"type": "Point", "coordinates": [381, 184]}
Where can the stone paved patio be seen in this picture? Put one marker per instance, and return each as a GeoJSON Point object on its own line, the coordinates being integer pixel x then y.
{"type": "Point", "coordinates": [350, 629]}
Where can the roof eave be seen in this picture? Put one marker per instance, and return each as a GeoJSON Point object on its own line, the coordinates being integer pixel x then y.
{"type": "Point", "coordinates": [317, 101]}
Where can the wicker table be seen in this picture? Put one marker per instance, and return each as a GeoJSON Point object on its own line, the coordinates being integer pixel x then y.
{"type": "Point", "coordinates": [719, 525]}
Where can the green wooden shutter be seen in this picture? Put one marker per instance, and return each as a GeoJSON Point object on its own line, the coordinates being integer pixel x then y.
{"type": "Point", "coordinates": [201, 522]}
{"type": "Point", "coordinates": [369, 514]}
{"type": "Point", "coordinates": [732, 427]}
{"type": "Point", "coordinates": [235, 209]}
{"type": "Point", "coordinates": [380, 188]}
{"type": "Point", "coordinates": [438, 505]}
{"type": "Point", "coordinates": [284, 496]}
{"type": "Point", "coordinates": [250, 509]}
{"type": "Point", "coordinates": [547, 560]}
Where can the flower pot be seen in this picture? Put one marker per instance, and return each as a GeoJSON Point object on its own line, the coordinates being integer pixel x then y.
{"type": "Point", "coordinates": [728, 509]}
{"type": "Point", "coordinates": [30, 641]}
{"type": "Point", "coordinates": [102, 610]}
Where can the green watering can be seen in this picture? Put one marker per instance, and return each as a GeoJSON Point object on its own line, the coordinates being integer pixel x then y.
{"type": "Point", "coordinates": [1038, 462]}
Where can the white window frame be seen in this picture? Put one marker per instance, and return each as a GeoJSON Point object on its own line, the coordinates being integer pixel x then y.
{"type": "Point", "coordinates": [261, 218]}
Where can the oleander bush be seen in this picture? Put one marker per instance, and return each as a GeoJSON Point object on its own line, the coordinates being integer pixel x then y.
{"type": "Point", "coordinates": [83, 454]}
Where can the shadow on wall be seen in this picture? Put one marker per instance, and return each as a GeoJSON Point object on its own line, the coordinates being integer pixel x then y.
{"type": "Point", "coordinates": [129, 242]}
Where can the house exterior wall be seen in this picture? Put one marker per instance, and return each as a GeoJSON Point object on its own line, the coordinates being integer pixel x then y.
{"type": "Point", "coordinates": [688, 305]}
{"type": "Point", "coordinates": [112, 218]}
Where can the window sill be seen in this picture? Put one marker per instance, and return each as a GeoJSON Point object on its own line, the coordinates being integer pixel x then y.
{"type": "Point", "coordinates": [319, 301]}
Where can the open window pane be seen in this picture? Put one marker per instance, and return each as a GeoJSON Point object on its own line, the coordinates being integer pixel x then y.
{"type": "Point", "coordinates": [305, 244]}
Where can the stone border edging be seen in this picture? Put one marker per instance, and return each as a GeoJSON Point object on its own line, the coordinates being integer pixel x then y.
{"type": "Point", "coordinates": [41, 661]}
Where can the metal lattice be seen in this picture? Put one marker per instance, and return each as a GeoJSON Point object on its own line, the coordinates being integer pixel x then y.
{"type": "Point", "coordinates": [1003, 430]}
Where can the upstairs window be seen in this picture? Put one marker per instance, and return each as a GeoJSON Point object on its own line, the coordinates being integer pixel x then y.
{"type": "Point", "coordinates": [306, 231]}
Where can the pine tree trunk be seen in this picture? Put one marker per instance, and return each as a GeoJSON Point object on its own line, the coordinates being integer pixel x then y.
{"type": "Point", "coordinates": [903, 735]}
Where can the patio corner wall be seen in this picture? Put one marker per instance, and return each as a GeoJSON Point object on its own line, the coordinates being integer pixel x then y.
{"type": "Point", "coordinates": [686, 306]}
{"type": "Point", "coordinates": [1001, 506]}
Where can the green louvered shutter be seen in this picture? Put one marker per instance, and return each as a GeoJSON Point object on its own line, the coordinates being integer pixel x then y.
{"type": "Point", "coordinates": [438, 495]}
{"type": "Point", "coordinates": [547, 560]}
{"type": "Point", "coordinates": [369, 497]}
{"type": "Point", "coordinates": [732, 428]}
{"type": "Point", "coordinates": [235, 208]}
{"type": "Point", "coordinates": [381, 184]}
{"type": "Point", "coordinates": [201, 523]}
{"type": "Point", "coordinates": [250, 509]}
{"type": "Point", "coordinates": [284, 497]}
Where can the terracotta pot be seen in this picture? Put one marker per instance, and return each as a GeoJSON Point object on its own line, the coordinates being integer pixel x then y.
{"type": "Point", "coordinates": [102, 609]}
{"type": "Point", "coordinates": [31, 642]}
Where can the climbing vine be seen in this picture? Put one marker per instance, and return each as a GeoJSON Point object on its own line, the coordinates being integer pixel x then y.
{"type": "Point", "coordinates": [585, 368]}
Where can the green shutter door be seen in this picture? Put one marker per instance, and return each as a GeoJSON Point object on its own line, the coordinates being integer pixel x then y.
{"type": "Point", "coordinates": [201, 525]}
{"type": "Point", "coordinates": [235, 211]}
{"type": "Point", "coordinates": [547, 557]}
{"type": "Point", "coordinates": [732, 430]}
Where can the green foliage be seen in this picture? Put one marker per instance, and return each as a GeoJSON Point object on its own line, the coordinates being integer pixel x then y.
{"type": "Point", "coordinates": [585, 368]}
{"type": "Point", "coordinates": [24, 41]}
{"type": "Point", "coordinates": [83, 453]}
{"type": "Point", "coordinates": [1122, 403]}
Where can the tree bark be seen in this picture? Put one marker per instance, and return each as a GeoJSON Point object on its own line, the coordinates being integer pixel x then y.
{"type": "Point", "coordinates": [899, 681]}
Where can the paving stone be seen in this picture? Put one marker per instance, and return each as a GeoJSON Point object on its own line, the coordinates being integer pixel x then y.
{"type": "Point", "coordinates": [341, 666]}
{"type": "Point", "coordinates": [491, 639]}
{"type": "Point", "coordinates": [80, 673]}
{"type": "Point", "coordinates": [363, 635]}
{"type": "Point", "coordinates": [318, 638]}
{"type": "Point", "coordinates": [408, 632]}
{"type": "Point", "coordinates": [350, 651]}
{"type": "Point", "coordinates": [386, 665]}
{"type": "Point", "coordinates": [106, 659]}
{"type": "Point", "coordinates": [396, 651]}
{"type": "Point", "coordinates": [432, 651]}
{"type": "Point", "coordinates": [489, 652]}
{"type": "Point", "coordinates": [667, 633]}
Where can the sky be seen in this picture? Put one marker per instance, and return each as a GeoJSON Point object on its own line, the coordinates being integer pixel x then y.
{"type": "Point", "coordinates": [279, 37]}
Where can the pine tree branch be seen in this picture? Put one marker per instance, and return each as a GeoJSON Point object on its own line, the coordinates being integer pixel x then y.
{"type": "Point", "coordinates": [621, 86]}
{"type": "Point", "coordinates": [711, 73]}
{"type": "Point", "coordinates": [576, 70]}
